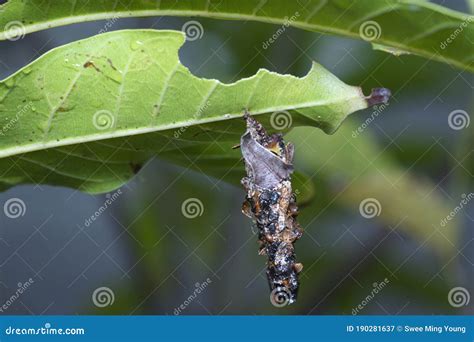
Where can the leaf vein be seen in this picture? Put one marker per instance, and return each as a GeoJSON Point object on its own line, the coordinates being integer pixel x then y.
{"type": "Point", "coordinates": [158, 105]}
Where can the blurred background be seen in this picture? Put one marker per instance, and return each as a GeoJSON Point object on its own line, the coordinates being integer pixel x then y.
{"type": "Point", "coordinates": [145, 255]}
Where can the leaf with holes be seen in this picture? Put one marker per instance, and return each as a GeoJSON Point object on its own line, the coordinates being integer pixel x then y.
{"type": "Point", "coordinates": [89, 114]}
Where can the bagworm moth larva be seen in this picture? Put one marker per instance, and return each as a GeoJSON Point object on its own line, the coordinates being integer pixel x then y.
{"type": "Point", "coordinates": [271, 204]}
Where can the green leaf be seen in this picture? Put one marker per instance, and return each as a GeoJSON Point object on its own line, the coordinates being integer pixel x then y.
{"type": "Point", "coordinates": [470, 4]}
{"type": "Point", "coordinates": [414, 26]}
{"type": "Point", "coordinates": [89, 114]}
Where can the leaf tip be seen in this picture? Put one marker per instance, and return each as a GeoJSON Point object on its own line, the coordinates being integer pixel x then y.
{"type": "Point", "coordinates": [378, 96]}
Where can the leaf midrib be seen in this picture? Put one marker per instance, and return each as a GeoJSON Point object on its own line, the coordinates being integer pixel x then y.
{"type": "Point", "coordinates": [271, 20]}
{"type": "Point", "coordinates": [8, 152]}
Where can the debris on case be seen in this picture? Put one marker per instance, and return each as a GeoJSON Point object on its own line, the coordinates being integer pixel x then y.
{"type": "Point", "coordinates": [271, 203]}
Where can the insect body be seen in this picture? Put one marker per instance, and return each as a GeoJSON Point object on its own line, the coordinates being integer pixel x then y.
{"type": "Point", "coordinates": [270, 202]}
